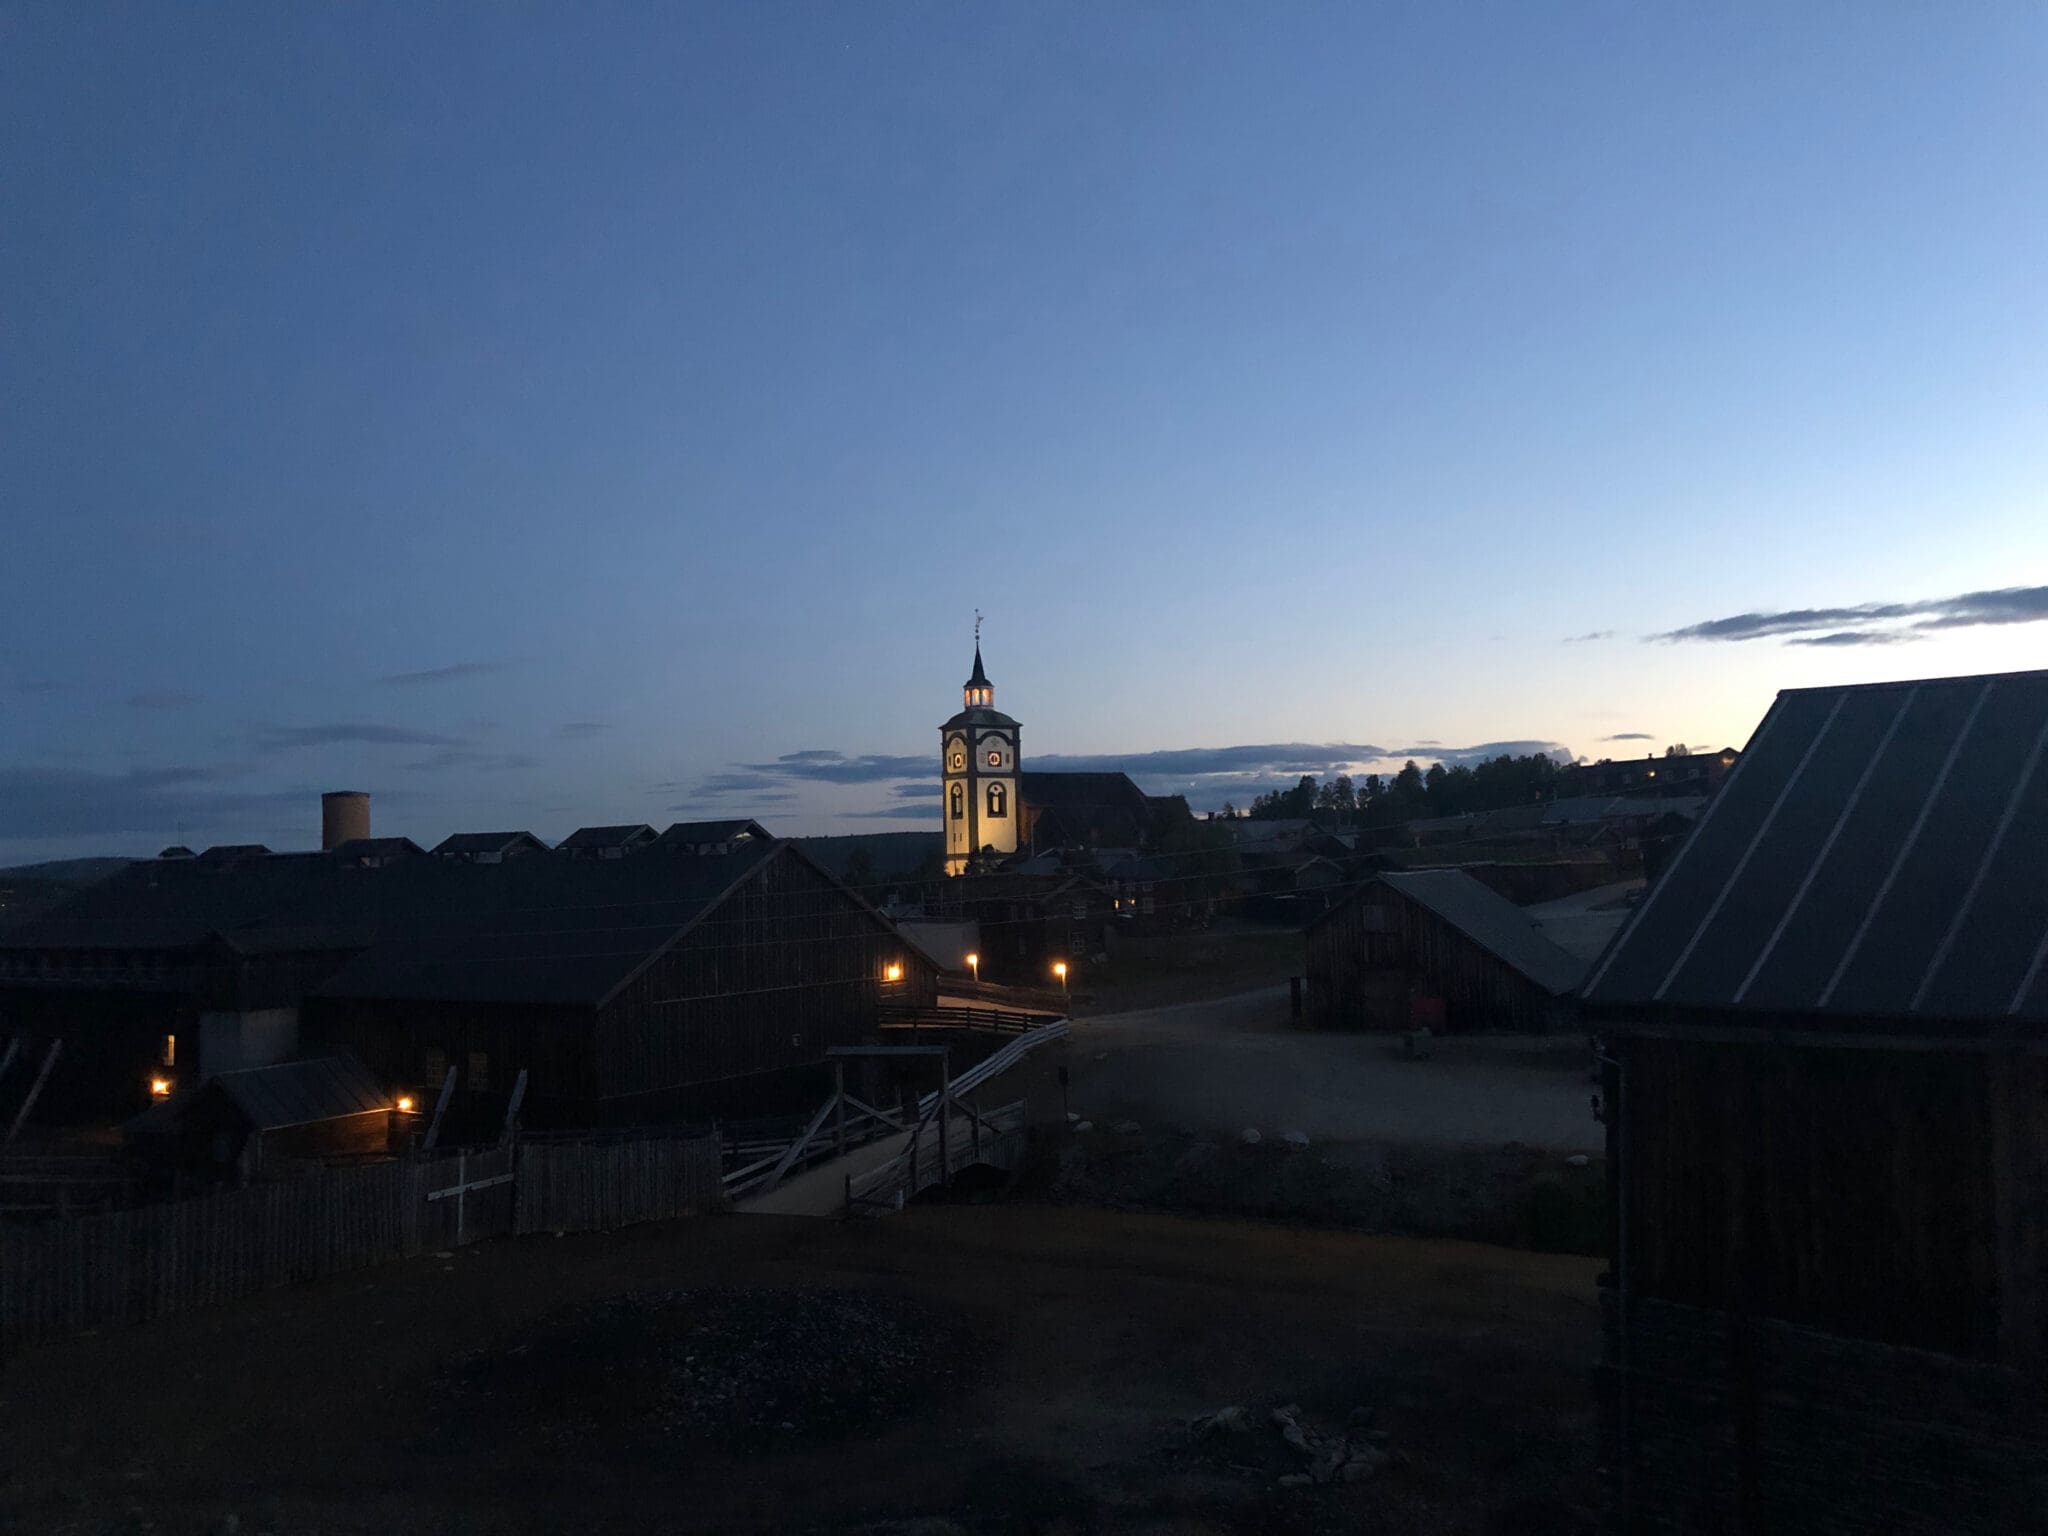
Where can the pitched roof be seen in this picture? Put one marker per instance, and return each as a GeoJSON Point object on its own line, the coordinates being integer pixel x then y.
{"type": "Point", "coordinates": [486, 842]}
{"type": "Point", "coordinates": [540, 930]}
{"type": "Point", "coordinates": [978, 678]}
{"type": "Point", "coordinates": [1069, 791]}
{"type": "Point", "coordinates": [1876, 852]}
{"type": "Point", "coordinates": [685, 834]}
{"type": "Point", "coordinates": [1492, 922]}
{"type": "Point", "coordinates": [626, 835]}
{"type": "Point", "coordinates": [301, 1092]}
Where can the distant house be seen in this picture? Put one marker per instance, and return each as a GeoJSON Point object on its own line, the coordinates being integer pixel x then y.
{"type": "Point", "coordinates": [1826, 1035]}
{"type": "Point", "coordinates": [489, 847]}
{"type": "Point", "coordinates": [711, 837]}
{"type": "Point", "coordinates": [633, 987]}
{"type": "Point", "coordinates": [605, 842]}
{"type": "Point", "coordinates": [1693, 773]}
{"type": "Point", "coordinates": [1435, 947]}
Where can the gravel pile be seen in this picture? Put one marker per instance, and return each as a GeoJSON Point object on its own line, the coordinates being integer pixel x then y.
{"type": "Point", "coordinates": [750, 1368]}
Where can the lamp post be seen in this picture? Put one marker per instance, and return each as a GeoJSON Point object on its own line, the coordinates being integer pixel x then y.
{"type": "Point", "coordinates": [1059, 969]}
{"type": "Point", "coordinates": [974, 965]}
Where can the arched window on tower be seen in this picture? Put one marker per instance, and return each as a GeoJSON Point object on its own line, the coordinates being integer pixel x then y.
{"type": "Point", "coordinates": [958, 796]}
{"type": "Point", "coordinates": [998, 800]}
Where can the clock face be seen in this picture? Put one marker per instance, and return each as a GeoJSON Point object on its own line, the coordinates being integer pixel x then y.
{"type": "Point", "coordinates": [957, 761]}
{"type": "Point", "coordinates": [995, 757]}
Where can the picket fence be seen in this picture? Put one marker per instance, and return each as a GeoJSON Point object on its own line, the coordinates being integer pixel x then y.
{"type": "Point", "coordinates": [65, 1276]}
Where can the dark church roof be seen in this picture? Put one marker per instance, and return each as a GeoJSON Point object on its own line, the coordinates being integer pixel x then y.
{"type": "Point", "coordinates": [1876, 853]}
{"type": "Point", "coordinates": [978, 678]}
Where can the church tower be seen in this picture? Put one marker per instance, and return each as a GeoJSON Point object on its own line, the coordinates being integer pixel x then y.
{"type": "Point", "coordinates": [978, 775]}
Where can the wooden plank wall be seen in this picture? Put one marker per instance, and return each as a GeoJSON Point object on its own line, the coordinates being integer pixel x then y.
{"type": "Point", "coordinates": [1848, 1190]}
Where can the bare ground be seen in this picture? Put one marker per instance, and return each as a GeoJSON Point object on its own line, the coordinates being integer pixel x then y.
{"type": "Point", "coordinates": [967, 1368]}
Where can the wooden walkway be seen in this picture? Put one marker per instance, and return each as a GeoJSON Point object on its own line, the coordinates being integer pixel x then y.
{"type": "Point", "coordinates": [882, 1176]}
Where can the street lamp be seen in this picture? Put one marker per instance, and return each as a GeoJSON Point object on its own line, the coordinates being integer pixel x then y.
{"type": "Point", "coordinates": [974, 965]}
{"type": "Point", "coordinates": [894, 973]}
{"type": "Point", "coordinates": [1059, 969]}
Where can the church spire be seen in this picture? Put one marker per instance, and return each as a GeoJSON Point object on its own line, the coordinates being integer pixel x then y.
{"type": "Point", "coordinates": [979, 689]}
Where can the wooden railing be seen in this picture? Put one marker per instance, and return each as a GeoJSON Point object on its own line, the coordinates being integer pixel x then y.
{"type": "Point", "coordinates": [997, 994]}
{"type": "Point", "coordinates": [1002, 1020]}
{"type": "Point", "coordinates": [952, 1137]}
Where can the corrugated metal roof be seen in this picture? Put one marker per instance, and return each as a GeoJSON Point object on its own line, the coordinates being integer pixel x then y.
{"type": "Point", "coordinates": [301, 1092]}
{"type": "Point", "coordinates": [1879, 851]}
{"type": "Point", "coordinates": [487, 842]}
{"type": "Point", "coordinates": [631, 835]}
{"type": "Point", "coordinates": [1492, 922]}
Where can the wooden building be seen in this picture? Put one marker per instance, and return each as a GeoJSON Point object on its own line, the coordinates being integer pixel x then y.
{"type": "Point", "coordinates": [1435, 947]}
{"type": "Point", "coordinates": [239, 1125]}
{"type": "Point", "coordinates": [649, 985]}
{"type": "Point", "coordinates": [1826, 1043]}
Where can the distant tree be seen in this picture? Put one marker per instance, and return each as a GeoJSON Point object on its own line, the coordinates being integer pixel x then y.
{"type": "Point", "coordinates": [860, 869]}
{"type": "Point", "coordinates": [1678, 749]}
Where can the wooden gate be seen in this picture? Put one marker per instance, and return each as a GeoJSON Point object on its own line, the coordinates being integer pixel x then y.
{"type": "Point", "coordinates": [463, 1198]}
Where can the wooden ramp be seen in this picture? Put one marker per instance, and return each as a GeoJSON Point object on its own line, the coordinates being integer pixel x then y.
{"type": "Point", "coordinates": [938, 1151]}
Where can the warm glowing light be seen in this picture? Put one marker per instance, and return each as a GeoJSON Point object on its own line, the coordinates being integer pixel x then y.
{"type": "Point", "coordinates": [894, 973]}
{"type": "Point", "coordinates": [974, 965]}
{"type": "Point", "coordinates": [159, 1087]}
{"type": "Point", "coordinates": [1060, 970]}
{"type": "Point", "coordinates": [405, 1103]}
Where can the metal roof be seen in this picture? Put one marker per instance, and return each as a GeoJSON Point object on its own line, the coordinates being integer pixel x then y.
{"type": "Point", "coordinates": [631, 835]}
{"type": "Point", "coordinates": [487, 842]}
{"type": "Point", "coordinates": [1492, 922]}
{"type": "Point", "coordinates": [1878, 851]}
{"type": "Point", "coordinates": [301, 1092]}
{"type": "Point", "coordinates": [687, 834]}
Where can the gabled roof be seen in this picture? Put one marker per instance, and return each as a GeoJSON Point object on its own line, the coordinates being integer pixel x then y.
{"type": "Point", "coordinates": [629, 835]}
{"type": "Point", "coordinates": [472, 843]}
{"type": "Point", "coordinates": [358, 848]}
{"type": "Point", "coordinates": [1877, 852]}
{"type": "Point", "coordinates": [300, 1092]}
{"type": "Point", "coordinates": [690, 834]}
{"type": "Point", "coordinates": [1489, 920]}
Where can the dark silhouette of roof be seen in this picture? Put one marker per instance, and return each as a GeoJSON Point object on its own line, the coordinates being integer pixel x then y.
{"type": "Point", "coordinates": [978, 678]}
{"type": "Point", "coordinates": [697, 834]}
{"type": "Point", "coordinates": [629, 835]}
{"type": "Point", "coordinates": [1491, 921]}
{"type": "Point", "coordinates": [470, 844]}
{"type": "Point", "coordinates": [1877, 852]}
{"type": "Point", "coordinates": [300, 1092]}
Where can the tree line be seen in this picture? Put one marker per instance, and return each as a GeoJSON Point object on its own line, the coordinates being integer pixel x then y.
{"type": "Point", "coordinates": [1377, 801]}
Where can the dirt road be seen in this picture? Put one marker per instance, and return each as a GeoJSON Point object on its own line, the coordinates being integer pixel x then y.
{"type": "Point", "coordinates": [1234, 1062]}
{"type": "Point", "coordinates": [997, 1369]}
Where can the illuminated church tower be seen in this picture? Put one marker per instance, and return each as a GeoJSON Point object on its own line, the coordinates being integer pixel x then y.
{"type": "Point", "coordinates": [978, 763]}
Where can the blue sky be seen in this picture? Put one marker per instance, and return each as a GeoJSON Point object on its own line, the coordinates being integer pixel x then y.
{"type": "Point", "coordinates": [550, 415]}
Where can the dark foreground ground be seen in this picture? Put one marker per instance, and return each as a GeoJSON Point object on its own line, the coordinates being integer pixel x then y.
{"type": "Point", "coordinates": [964, 1368]}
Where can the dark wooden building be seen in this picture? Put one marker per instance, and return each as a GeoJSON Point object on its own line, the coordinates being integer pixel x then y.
{"type": "Point", "coordinates": [650, 985]}
{"type": "Point", "coordinates": [1826, 1037]}
{"type": "Point", "coordinates": [239, 1125]}
{"type": "Point", "coordinates": [1435, 947]}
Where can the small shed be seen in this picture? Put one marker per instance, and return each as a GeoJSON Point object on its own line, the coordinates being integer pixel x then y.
{"type": "Point", "coordinates": [234, 1124]}
{"type": "Point", "coordinates": [1436, 947]}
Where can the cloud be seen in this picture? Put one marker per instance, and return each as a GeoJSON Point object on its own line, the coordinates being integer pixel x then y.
{"type": "Point", "coordinates": [70, 802]}
{"type": "Point", "coordinates": [737, 784]}
{"type": "Point", "coordinates": [1831, 626]}
{"type": "Point", "coordinates": [920, 813]}
{"type": "Point", "coordinates": [836, 768]}
{"type": "Point", "coordinates": [916, 791]}
{"type": "Point", "coordinates": [449, 674]}
{"type": "Point", "coordinates": [1859, 637]}
{"type": "Point", "coordinates": [576, 729]}
{"type": "Point", "coordinates": [279, 738]}
{"type": "Point", "coordinates": [1595, 634]}
{"type": "Point", "coordinates": [167, 698]}
{"type": "Point", "coordinates": [1629, 736]}
{"type": "Point", "coordinates": [468, 757]}
{"type": "Point", "coordinates": [764, 797]}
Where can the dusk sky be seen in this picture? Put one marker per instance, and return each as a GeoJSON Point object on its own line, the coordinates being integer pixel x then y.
{"type": "Point", "coordinates": [544, 416]}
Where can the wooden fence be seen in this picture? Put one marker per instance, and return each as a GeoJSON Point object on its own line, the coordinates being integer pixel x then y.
{"type": "Point", "coordinates": [129, 1266]}
{"type": "Point", "coordinates": [1003, 1020]}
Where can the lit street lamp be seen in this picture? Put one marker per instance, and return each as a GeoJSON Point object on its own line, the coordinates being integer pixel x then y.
{"type": "Point", "coordinates": [1059, 969]}
{"type": "Point", "coordinates": [974, 965]}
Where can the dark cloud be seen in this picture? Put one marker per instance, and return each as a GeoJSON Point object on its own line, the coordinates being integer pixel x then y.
{"type": "Point", "coordinates": [737, 784]}
{"type": "Point", "coordinates": [449, 674]}
{"type": "Point", "coordinates": [892, 813]}
{"type": "Point", "coordinates": [1629, 736]}
{"type": "Point", "coordinates": [719, 813]}
{"type": "Point", "coordinates": [469, 758]}
{"type": "Point", "coordinates": [1594, 634]}
{"type": "Point", "coordinates": [278, 738]}
{"type": "Point", "coordinates": [1828, 626]}
{"type": "Point", "coordinates": [835, 768]}
{"type": "Point", "coordinates": [70, 802]}
{"type": "Point", "coordinates": [577, 729]}
{"type": "Point", "coordinates": [167, 698]}
{"type": "Point", "coordinates": [1859, 637]}
{"type": "Point", "coordinates": [916, 791]}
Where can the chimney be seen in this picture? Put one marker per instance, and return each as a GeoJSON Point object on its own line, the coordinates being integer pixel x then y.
{"type": "Point", "coordinates": [344, 817]}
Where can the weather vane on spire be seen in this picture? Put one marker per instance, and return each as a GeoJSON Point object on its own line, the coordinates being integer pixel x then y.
{"type": "Point", "coordinates": [977, 629]}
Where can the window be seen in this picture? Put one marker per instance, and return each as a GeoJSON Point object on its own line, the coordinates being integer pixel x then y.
{"type": "Point", "coordinates": [957, 797]}
{"type": "Point", "coordinates": [170, 1050]}
{"type": "Point", "coordinates": [998, 801]}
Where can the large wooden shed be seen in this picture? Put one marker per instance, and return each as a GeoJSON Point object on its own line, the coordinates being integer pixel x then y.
{"type": "Point", "coordinates": [1827, 1109]}
{"type": "Point", "coordinates": [1435, 947]}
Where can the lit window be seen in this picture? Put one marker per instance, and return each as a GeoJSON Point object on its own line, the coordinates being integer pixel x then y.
{"type": "Point", "coordinates": [170, 1050]}
{"type": "Point", "coordinates": [958, 797]}
{"type": "Point", "coordinates": [998, 801]}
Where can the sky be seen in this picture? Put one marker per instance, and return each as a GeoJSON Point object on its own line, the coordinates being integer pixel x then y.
{"type": "Point", "coordinates": [542, 416]}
